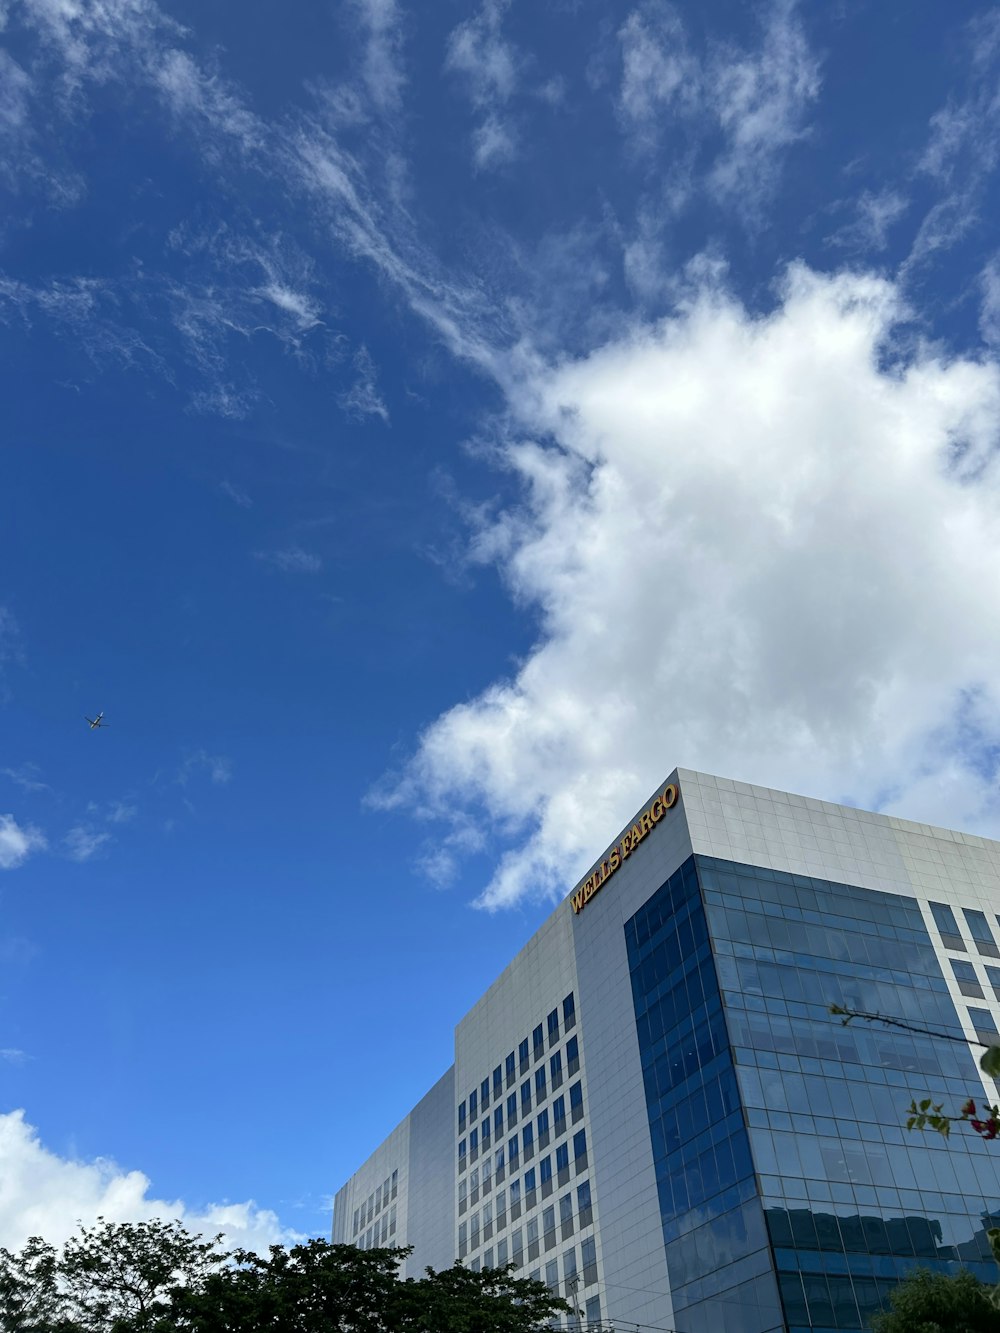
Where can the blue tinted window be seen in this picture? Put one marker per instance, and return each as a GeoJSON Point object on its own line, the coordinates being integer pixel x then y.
{"type": "Point", "coordinates": [510, 1068]}
{"type": "Point", "coordinates": [529, 1180]}
{"type": "Point", "coordinates": [498, 1121]}
{"type": "Point", "coordinates": [944, 919]}
{"type": "Point", "coordinates": [512, 1152]}
{"type": "Point", "coordinates": [543, 1123]}
{"type": "Point", "coordinates": [473, 1104]}
{"type": "Point", "coordinates": [473, 1140]}
{"type": "Point", "coordinates": [572, 1056]}
{"type": "Point", "coordinates": [540, 1083]}
{"type": "Point", "coordinates": [528, 1137]}
{"type": "Point", "coordinates": [538, 1040]}
{"type": "Point", "coordinates": [522, 1051]}
{"type": "Point", "coordinates": [461, 1118]}
{"type": "Point", "coordinates": [545, 1169]}
{"type": "Point", "coordinates": [552, 1023]}
{"type": "Point", "coordinates": [580, 1144]}
{"type": "Point", "coordinates": [993, 977]}
{"type": "Point", "coordinates": [562, 1157]}
{"type": "Point", "coordinates": [983, 1020]}
{"type": "Point", "coordinates": [484, 1092]}
{"type": "Point", "coordinates": [497, 1082]}
{"type": "Point", "coordinates": [965, 975]}
{"type": "Point", "coordinates": [569, 1011]}
{"type": "Point", "coordinates": [576, 1095]}
{"type": "Point", "coordinates": [525, 1097]}
{"type": "Point", "coordinates": [559, 1112]}
{"type": "Point", "coordinates": [979, 928]}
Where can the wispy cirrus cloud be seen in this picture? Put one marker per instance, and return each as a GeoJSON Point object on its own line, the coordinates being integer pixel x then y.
{"type": "Point", "coordinates": [83, 843]}
{"type": "Point", "coordinates": [756, 98]}
{"type": "Point", "coordinates": [291, 560]}
{"type": "Point", "coordinates": [27, 777]}
{"type": "Point", "coordinates": [363, 398]}
{"type": "Point", "coordinates": [488, 65]}
{"type": "Point", "coordinates": [963, 147]}
{"type": "Point", "coordinates": [219, 768]}
{"type": "Point", "coordinates": [18, 842]}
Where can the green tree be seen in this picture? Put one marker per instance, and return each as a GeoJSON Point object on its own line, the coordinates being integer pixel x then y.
{"type": "Point", "coordinates": [460, 1301]}
{"type": "Point", "coordinates": [30, 1298]}
{"type": "Point", "coordinates": [312, 1286]}
{"type": "Point", "coordinates": [120, 1277]}
{"type": "Point", "coordinates": [928, 1302]}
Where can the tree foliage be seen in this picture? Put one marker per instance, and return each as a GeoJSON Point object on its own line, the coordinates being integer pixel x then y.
{"type": "Point", "coordinates": [928, 1302]}
{"type": "Point", "coordinates": [155, 1277]}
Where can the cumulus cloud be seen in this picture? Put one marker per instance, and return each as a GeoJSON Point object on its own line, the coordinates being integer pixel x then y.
{"type": "Point", "coordinates": [44, 1194]}
{"type": "Point", "coordinates": [17, 842]}
{"type": "Point", "coordinates": [766, 547]}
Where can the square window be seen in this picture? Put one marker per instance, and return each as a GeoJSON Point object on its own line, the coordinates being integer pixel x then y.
{"type": "Point", "coordinates": [979, 928]}
{"type": "Point", "coordinates": [965, 975]}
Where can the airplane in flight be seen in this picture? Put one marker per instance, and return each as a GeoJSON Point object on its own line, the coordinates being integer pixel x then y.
{"type": "Point", "coordinates": [97, 721]}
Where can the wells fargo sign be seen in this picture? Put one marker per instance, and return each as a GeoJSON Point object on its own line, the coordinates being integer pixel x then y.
{"type": "Point", "coordinates": [645, 824]}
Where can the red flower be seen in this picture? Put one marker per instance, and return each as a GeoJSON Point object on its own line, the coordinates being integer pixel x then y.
{"type": "Point", "coordinates": [969, 1108]}
{"type": "Point", "coordinates": [993, 1128]}
{"type": "Point", "coordinates": [978, 1125]}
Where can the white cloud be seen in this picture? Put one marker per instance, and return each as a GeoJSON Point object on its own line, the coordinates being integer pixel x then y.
{"type": "Point", "coordinates": [766, 547]}
{"type": "Point", "coordinates": [757, 98]}
{"type": "Point", "coordinates": [488, 64]}
{"type": "Point", "coordinates": [292, 560]}
{"type": "Point", "coordinates": [17, 842]}
{"type": "Point", "coordinates": [82, 843]}
{"type": "Point", "coordinates": [13, 1056]}
{"type": "Point", "coordinates": [26, 777]}
{"type": "Point", "coordinates": [363, 398]}
{"type": "Point", "coordinates": [876, 213]}
{"type": "Point", "coordinates": [381, 22]}
{"type": "Point", "coordinates": [120, 812]}
{"type": "Point", "coordinates": [218, 766]}
{"type": "Point", "coordinates": [44, 1194]}
{"type": "Point", "coordinates": [989, 311]}
{"type": "Point", "coordinates": [236, 494]}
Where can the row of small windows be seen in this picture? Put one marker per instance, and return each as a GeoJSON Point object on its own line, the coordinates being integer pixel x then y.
{"type": "Point", "coordinates": [507, 1074]}
{"type": "Point", "coordinates": [377, 1200]}
{"type": "Point", "coordinates": [481, 1139]}
{"type": "Point", "coordinates": [381, 1232]}
{"type": "Point", "coordinates": [481, 1136]}
{"type": "Point", "coordinates": [538, 1233]}
{"type": "Point", "coordinates": [573, 1279]}
{"type": "Point", "coordinates": [469, 1190]}
{"type": "Point", "coordinates": [979, 929]}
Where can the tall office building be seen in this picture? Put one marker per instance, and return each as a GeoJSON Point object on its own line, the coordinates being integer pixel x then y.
{"type": "Point", "coordinates": [654, 1111]}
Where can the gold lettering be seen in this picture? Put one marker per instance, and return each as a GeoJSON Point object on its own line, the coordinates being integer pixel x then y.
{"type": "Point", "coordinates": [644, 822]}
{"type": "Point", "coordinates": [656, 811]}
{"type": "Point", "coordinates": [626, 845]}
{"type": "Point", "coordinates": [588, 890]}
{"type": "Point", "coordinates": [614, 860]}
{"type": "Point", "coordinates": [637, 835]}
{"type": "Point", "coordinates": [669, 797]}
{"type": "Point", "coordinates": [577, 901]}
{"type": "Point", "coordinates": [629, 841]}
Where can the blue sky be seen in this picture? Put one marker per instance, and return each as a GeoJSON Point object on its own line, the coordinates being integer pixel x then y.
{"type": "Point", "coordinates": [423, 428]}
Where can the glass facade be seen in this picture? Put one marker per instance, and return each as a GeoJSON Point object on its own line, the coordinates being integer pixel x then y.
{"type": "Point", "coordinates": [791, 1195]}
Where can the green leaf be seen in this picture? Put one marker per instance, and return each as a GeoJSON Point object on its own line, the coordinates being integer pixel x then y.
{"type": "Point", "coordinates": [989, 1062]}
